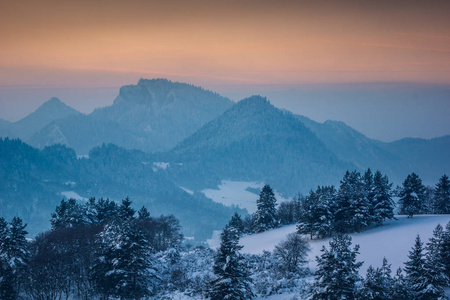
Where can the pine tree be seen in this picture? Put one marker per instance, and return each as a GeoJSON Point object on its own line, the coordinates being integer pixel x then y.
{"type": "Point", "coordinates": [236, 222]}
{"type": "Point", "coordinates": [369, 193]}
{"type": "Point", "coordinates": [412, 195]}
{"type": "Point", "coordinates": [415, 270]}
{"type": "Point", "coordinates": [399, 287]}
{"type": "Point", "coordinates": [382, 205]}
{"type": "Point", "coordinates": [266, 214]}
{"type": "Point", "coordinates": [377, 284]}
{"type": "Point", "coordinates": [352, 208]}
{"type": "Point", "coordinates": [337, 271]}
{"type": "Point", "coordinates": [14, 256]}
{"type": "Point", "coordinates": [446, 250]}
{"type": "Point", "coordinates": [442, 196]}
{"type": "Point", "coordinates": [123, 266]}
{"type": "Point", "coordinates": [434, 275]}
{"type": "Point", "coordinates": [233, 281]}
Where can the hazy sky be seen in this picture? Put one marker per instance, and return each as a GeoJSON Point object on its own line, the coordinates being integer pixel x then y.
{"type": "Point", "coordinates": [299, 53]}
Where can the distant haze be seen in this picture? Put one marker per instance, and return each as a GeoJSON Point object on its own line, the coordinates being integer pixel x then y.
{"type": "Point", "coordinates": [383, 111]}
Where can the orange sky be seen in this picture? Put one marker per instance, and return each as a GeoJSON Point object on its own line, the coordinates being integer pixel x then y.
{"type": "Point", "coordinates": [110, 43]}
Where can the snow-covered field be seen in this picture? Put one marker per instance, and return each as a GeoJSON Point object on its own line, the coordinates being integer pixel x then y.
{"type": "Point", "coordinates": [236, 193]}
{"type": "Point", "coordinates": [393, 240]}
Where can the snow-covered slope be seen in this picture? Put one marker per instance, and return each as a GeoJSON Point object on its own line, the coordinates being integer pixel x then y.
{"type": "Point", "coordinates": [394, 240]}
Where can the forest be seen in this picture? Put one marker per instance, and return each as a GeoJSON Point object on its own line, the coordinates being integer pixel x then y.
{"type": "Point", "coordinates": [100, 249]}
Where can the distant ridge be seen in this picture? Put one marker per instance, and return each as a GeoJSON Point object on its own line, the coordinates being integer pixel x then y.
{"type": "Point", "coordinates": [152, 116]}
{"type": "Point", "coordinates": [256, 141]}
{"type": "Point", "coordinates": [51, 110]}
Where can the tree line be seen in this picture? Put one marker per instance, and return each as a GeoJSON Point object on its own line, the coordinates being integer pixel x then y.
{"type": "Point", "coordinates": [361, 200]}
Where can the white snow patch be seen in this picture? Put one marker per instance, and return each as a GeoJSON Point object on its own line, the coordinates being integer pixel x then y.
{"type": "Point", "coordinates": [82, 156]}
{"type": "Point", "coordinates": [73, 195]}
{"type": "Point", "coordinates": [161, 165]}
{"type": "Point", "coordinates": [70, 183]}
{"type": "Point", "coordinates": [393, 240]}
{"type": "Point", "coordinates": [187, 190]}
{"type": "Point", "coordinates": [214, 241]}
{"type": "Point", "coordinates": [235, 193]}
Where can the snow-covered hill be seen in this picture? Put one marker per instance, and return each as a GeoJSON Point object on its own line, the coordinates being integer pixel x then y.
{"type": "Point", "coordinates": [393, 240]}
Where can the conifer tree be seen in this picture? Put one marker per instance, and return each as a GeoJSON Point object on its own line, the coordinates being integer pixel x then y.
{"type": "Point", "coordinates": [442, 196]}
{"type": "Point", "coordinates": [377, 284]}
{"type": "Point", "coordinates": [14, 257]}
{"type": "Point", "coordinates": [399, 287]}
{"type": "Point", "coordinates": [446, 250]}
{"type": "Point", "coordinates": [337, 271]}
{"type": "Point", "coordinates": [382, 205]}
{"type": "Point", "coordinates": [415, 270]}
{"type": "Point", "coordinates": [352, 208]}
{"type": "Point", "coordinates": [412, 195]}
{"type": "Point", "coordinates": [266, 214]}
{"type": "Point", "coordinates": [232, 279]}
{"type": "Point", "coordinates": [123, 266]}
{"type": "Point", "coordinates": [434, 275]}
{"type": "Point", "coordinates": [236, 222]}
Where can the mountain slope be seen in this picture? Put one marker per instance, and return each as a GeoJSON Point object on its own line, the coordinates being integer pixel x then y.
{"type": "Point", "coordinates": [48, 112]}
{"type": "Point", "coordinates": [428, 158]}
{"type": "Point", "coordinates": [34, 182]}
{"type": "Point", "coordinates": [153, 115]}
{"type": "Point", "coordinates": [254, 141]}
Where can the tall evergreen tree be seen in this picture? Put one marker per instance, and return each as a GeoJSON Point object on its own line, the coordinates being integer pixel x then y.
{"type": "Point", "coordinates": [446, 250]}
{"type": "Point", "coordinates": [415, 270]}
{"type": "Point", "coordinates": [337, 271]}
{"type": "Point", "coordinates": [442, 196]}
{"type": "Point", "coordinates": [399, 287]}
{"type": "Point", "coordinates": [382, 205]}
{"type": "Point", "coordinates": [232, 278]}
{"type": "Point", "coordinates": [123, 266]}
{"type": "Point", "coordinates": [412, 195]}
{"type": "Point", "coordinates": [14, 257]}
{"type": "Point", "coordinates": [352, 208]}
{"type": "Point", "coordinates": [316, 214]}
{"type": "Point", "coordinates": [236, 222]}
{"type": "Point", "coordinates": [377, 284]}
{"type": "Point", "coordinates": [434, 275]}
{"type": "Point", "coordinates": [266, 214]}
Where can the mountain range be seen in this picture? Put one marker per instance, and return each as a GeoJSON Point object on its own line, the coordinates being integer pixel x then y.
{"type": "Point", "coordinates": [163, 142]}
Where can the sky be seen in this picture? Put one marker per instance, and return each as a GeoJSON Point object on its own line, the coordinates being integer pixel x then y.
{"type": "Point", "coordinates": [356, 61]}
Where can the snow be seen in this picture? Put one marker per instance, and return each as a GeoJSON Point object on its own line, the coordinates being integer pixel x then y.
{"type": "Point", "coordinates": [187, 190]}
{"type": "Point", "coordinates": [235, 193]}
{"type": "Point", "coordinates": [393, 240]}
{"type": "Point", "coordinates": [161, 165]}
{"type": "Point", "coordinates": [73, 195]}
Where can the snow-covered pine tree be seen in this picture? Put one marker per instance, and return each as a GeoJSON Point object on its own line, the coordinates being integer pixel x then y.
{"type": "Point", "coordinates": [352, 208]}
{"type": "Point", "coordinates": [337, 271]}
{"type": "Point", "coordinates": [14, 257]}
{"type": "Point", "coordinates": [308, 217]}
{"type": "Point", "coordinates": [415, 271]}
{"type": "Point", "coordinates": [232, 280]}
{"type": "Point", "coordinates": [446, 250]}
{"type": "Point", "coordinates": [236, 222]}
{"type": "Point", "coordinates": [369, 193]}
{"type": "Point", "coordinates": [123, 266]}
{"type": "Point", "coordinates": [382, 205]}
{"type": "Point", "coordinates": [441, 203]}
{"type": "Point", "coordinates": [377, 284]}
{"type": "Point", "coordinates": [411, 195]}
{"type": "Point", "coordinates": [266, 213]}
{"type": "Point", "coordinates": [399, 287]}
{"type": "Point", "coordinates": [434, 276]}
